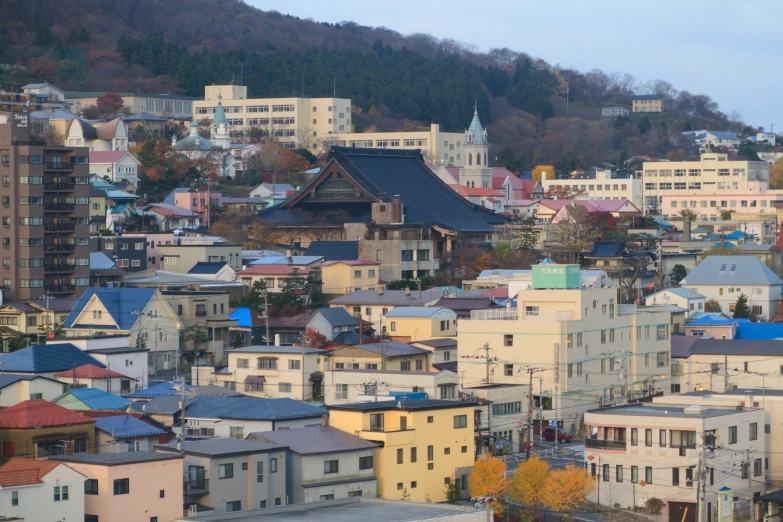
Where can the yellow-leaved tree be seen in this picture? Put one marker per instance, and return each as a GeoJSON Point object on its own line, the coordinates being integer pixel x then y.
{"type": "Point", "coordinates": [549, 169]}
{"type": "Point", "coordinates": [488, 481]}
{"type": "Point", "coordinates": [776, 175]}
{"type": "Point", "coordinates": [525, 485]}
{"type": "Point", "coordinates": [566, 489]}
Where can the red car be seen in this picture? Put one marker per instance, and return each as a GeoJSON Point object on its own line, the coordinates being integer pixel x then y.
{"type": "Point", "coordinates": [562, 435]}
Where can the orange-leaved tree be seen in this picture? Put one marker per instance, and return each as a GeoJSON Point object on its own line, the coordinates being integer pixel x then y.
{"type": "Point", "coordinates": [488, 481]}
{"type": "Point", "coordinates": [566, 489]}
{"type": "Point", "coordinates": [525, 486]}
{"type": "Point", "coordinates": [549, 169]}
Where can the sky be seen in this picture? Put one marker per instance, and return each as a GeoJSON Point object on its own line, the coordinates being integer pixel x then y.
{"type": "Point", "coordinates": [728, 50]}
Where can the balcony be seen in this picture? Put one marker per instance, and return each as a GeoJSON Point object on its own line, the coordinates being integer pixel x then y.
{"type": "Point", "coordinates": [397, 436]}
{"type": "Point", "coordinates": [58, 227]}
{"type": "Point", "coordinates": [57, 165]}
{"type": "Point", "coordinates": [195, 487]}
{"type": "Point", "coordinates": [60, 289]}
{"type": "Point", "coordinates": [59, 267]}
{"type": "Point", "coordinates": [58, 248]}
{"type": "Point", "coordinates": [59, 187]}
{"type": "Point", "coordinates": [201, 313]}
{"type": "Point", "coordinates": [605, 444]}
{"type": "Point", "coordinates": [59, 207]}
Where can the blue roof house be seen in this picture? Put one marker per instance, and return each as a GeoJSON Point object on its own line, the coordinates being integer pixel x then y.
{"type": "Point", "coordinates": [45, 360]}
{"type": "Point", "coordinates": [140, 313]}
{"type": "Point", "coordinates": [125, 433]}
{"type": "Point", "coordinates": [238, 417]}
{"type": "Point", "coordinates": [681, 297]}
{"type": "Point", "coordinates": [92, 399]}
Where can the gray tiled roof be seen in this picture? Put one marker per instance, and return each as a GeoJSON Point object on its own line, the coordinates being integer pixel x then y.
{"type": "Point", "coordinates": [391, 349]}
{"type": "Point", "coordinates": [337, 316]}
{"type": "Point", "coordinates": [315, 439]}
{"type": "Point", "coordinates": [223, 447]}
{"type": "Point", "coordinates": [446, 342]}
{"type": "Point", "coordinates": [406, 405]}
{"type": "Point", "coordinates": [251, 408]}
{"type": "Point", "coordinates": [388, 297]}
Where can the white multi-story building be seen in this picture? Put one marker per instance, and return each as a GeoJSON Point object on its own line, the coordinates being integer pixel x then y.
{"type": "Point", "coordinates": [714, 173]}
{"type": "Point", "coordinates": [603, 186]}
{"type": "Point", "coordinates": [292, 122]}
{"type": "Point", "coordinates": [643, 451]}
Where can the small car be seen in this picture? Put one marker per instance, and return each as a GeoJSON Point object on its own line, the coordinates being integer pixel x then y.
{"type": "Point", "coordinates": [562, 435]}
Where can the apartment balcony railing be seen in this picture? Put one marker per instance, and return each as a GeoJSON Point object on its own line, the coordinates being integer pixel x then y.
{"type": "Point", "coordinates": [60, 289]}
{"type": "Point", "coordinates": [58, 267]}
{"type": "Point", "coordinates": [59, 207]}
{"type": "Point", "coordinates": [515, 315]}
{"type": "Point", "coordinates": [195, 487]}
{"type": "Point", "coordinates": [201, 314]}
{"type": "Point", "coordinates": [55, 187]}
{"type": "Point", "coordinates": [605, 444]}
{"type": "Point", "coordinates": [59, 227]}
{"type": "Point", "coordinates": [52, 165]}
{"type": "Point", "coordinates": [387, 429]}
{"type": "Point", "coordinates": [56, 248]}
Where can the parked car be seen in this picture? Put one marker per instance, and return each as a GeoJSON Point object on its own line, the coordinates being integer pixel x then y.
{"type": "Point", "coordinates": [562, 435]}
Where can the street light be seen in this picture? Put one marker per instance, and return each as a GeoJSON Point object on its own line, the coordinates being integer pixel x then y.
{"type": "Point", "coordinates": [644, 383]}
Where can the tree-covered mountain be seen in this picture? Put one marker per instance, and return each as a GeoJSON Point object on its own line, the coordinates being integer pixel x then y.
{"type": "Point", "coordinates": [394, 81]}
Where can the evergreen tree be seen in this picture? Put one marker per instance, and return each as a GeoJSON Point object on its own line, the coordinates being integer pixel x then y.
{"type": "Point", "coordinates": [741, 308]}
{"type": "Point", "coordinates": [43, 37]}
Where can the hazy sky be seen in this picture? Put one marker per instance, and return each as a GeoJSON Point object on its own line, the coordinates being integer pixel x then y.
{"type": "Point", "coordinates": [728, 50]}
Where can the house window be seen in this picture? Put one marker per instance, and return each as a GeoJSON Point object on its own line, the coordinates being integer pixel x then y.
{"type": "Point", "coordinates": [508, 340]}
{"type": "Point", "coordinates": [508, 370]}
{"type": "Point", "coordinates": [122, 486]}
{"type": "Point", "coordinates": [634, 474]}
{"type": "Point", "coordinates": [284, 387]}
{"type": "Point", "coordinates": [234, 505]}
{"type": "Point", "coordinates": [15, 498]}
{"type": "Point", "coordinates": [753, 431]}
{"type": "Point", "coordinates": [272, 465]}
{"type": "Point", "coordinates": [618, 473]}
{"type": "Point", "coordinates": [60, 493]}
{"type": "Point", "coordinates": [732, 434]}
{"type": "Point", "coordinates": [90, 487]}
{"type": "Point", "coordinates": [405, 366]}
{"type": "Point", "coordinates": [332, 466]}
{"type": "Point", "coordinates": [460, 421]}
{"type": "Point", "coordinates": [366, 462]}
{"type": "Point", "coordinates": [648, 474]}
{"type": "Point", "coordinates": [294, 364]}
{"type": "Point", "coordinates": [237, 432]}
{"type": "Point", "coordinates": [225, 471]}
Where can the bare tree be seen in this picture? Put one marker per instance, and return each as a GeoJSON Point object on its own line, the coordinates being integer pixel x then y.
{"type": "Point", "coordinates": [574, 231]}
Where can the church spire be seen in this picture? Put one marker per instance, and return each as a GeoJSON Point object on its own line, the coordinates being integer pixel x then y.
{"type": "Point", "coordinates": [220, 114]}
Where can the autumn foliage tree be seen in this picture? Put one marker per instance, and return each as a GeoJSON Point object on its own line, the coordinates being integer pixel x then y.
{"type": "Point", "coordinates": [776, 175]}
{"type": "Point", "coordinates": [540, 169]}
{"type": "Point", "coordinates": [488, 481]}
{"type": "Point", "coordinates": [566, 489]}
{"type": "Point", "coordinates": [525, 485]}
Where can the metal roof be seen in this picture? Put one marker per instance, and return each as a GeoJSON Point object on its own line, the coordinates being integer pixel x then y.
{"type": "Point", "coordinates": [45, 358]}
{"type": "Point", "coordinates": [97, 399]}
{"type": "Point", "coordinates": [409, 405]}
{"type": "Point", "coordinates": [162, 388]}
{"type": "Point", "coordinates": [665, 410]}
{"type": "Point", "coordinates": [335, 316]}
{"type": "Point", "coordinates": [759, 331]}
{"type": "Point", "coordinates": [275, 349]}
{"type": "Point", "coordinates": [100, 261]}
{"type": "Point", "coordinates": [126, 426]}
{"type": "Point", "coordinates": [389, 297]}
{"type": "Point", "coordinates": [417, 311]}
{"type": "Point", "coordinates": [251, 408]}
{"type": "Point", "coordinates": [685, 293]}
{"type": "Point", "coordinates": [118, 302]}
{"type": "Point", "coordinates": [203, 267]}
{"type": "Point", "coordinates": [283, 260]}
{"type": "Point", "coordinates": [334, 250]}
{"type": "Point", "coordinates": [731, 270]}
{"type": "Point", "coordinates": [446, 342]}
{"type": "Point", "coordinates": [223, 447]}
{"type": "Point", "coordinates": [316, 439]}
{"type": "Point", "coordinates": [389, 349]}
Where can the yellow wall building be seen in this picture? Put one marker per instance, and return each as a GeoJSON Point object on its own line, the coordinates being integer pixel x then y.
{"type": "Point", "coordinates": [648, 103]}
{"type": "Point", "coordinates": [386, 355]}
{"type": "Point", "coordinates": [292, 122]}
{"type": "Point", "coordinates": [419, 323]}
{"type": "Point", "coordinates": [425, 444]}
{"type": "Point", "coordinates": [344, 277]}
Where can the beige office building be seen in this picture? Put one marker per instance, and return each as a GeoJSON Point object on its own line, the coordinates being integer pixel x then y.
{"type": "Point", "coordinates": [293, 122]}
{"type": "Point", "coordinates": [588, 350]}
{"type": "Point", "coordinates": [442, 148]}
{"type": "Point", "coordinates": [603, 186]}
{"type": "Point", "coordinates": [714, 173]}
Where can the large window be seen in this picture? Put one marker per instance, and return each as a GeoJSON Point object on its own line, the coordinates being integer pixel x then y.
{"type": "Point", "coordinates": [341, 391]}
{"type": "Point", "coordinates": [226, 471]}
{"type": "Point", "coordinates": [366, 462]}
{"type": "Point", "coordinates": [332, 466]}
{"type": "Point", "coordinates": [460, 421]}
{"type": "Point", "coordinates": [90, 487]}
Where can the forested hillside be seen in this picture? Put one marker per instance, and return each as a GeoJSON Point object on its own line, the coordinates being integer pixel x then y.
{"type": "Point", "coordinates": [394, 81]}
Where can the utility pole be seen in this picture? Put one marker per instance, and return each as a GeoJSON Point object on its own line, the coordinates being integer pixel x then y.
{"type": "Point", "coordinates": [108, 377]}
{"type": "Point", "coordinates": [750, 483]}
{"type": "Point", "coordinates": [701, 476]}
{"type": "Point", "coordinates": [725, 373]}
{"type": "Point", "coordinates": [540, 409]}
{"type": "Point", "coordinates": [266, 315]}
{"type": "Point", "coordinates": [489, 360]}
{"type": "Point", "coordinates": [529, 433]}
{"type": "Point", "coordinates": [182, 415]}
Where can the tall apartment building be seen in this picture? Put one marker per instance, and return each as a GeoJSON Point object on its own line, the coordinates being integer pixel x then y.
{"type": "Point", "coordinates": [293, 122]}
{"type": "Point", "coordinates": [714, 173]}
{"type": "Point", "coordinates": [44, 207]}
{"type": "Point", "coordinates": [588, 350]}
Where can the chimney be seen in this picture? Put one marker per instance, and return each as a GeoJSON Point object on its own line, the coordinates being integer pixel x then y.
{"type": "Point", "coordinates": [686, 230]}
{"type": "Point", "coordinates": [289, 254]}
{"type": "Point", "coordinates": [277, 340]}
{"type": "Point", "coordinates": [407, 290]}
{"type": "Point", "coordinates": [380, 290]}
{"type": "Point", "coordinates": [324, 420]}
{"type": "Point", "coordinates": [396, 209]}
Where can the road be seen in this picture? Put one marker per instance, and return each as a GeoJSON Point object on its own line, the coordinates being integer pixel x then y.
{"type": "Point", "coordinates": [572, 453]}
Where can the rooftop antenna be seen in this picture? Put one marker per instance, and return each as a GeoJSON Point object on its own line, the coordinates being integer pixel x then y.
{"type": "Point", "coordinates": [302, 85]}
{"type": "Point", "coordinates": [334, 88]}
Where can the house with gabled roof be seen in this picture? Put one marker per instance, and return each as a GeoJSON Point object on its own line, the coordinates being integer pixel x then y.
{"type": "Point", "coordinates": [725, 278]}
{"type": "Point", "coordinates": [382, 355]}
{"type": "Point", "coordinates": [217, 270]}
{"type": "Point", "coordinates": [97, 136]}
{"type": "Point", "coordinates": [33, 489]}
{"type": "Point", "coordinates": [141, 313]}
{"type": "Point", "coordinates": [81, 399]}
{"type": "Point", "coordinates": [118, 165]}
{"type": "Point", "coordinates": [40, 429]}
{"type": "Point", "coordinates": [95, 377]}
{"type": "Point", "coordinates": [681, 297]}
{"type": "Point", "coordinates": [15, 388]}
{"type": "Point", "coordinates": [45, 360]}
{"type": "Point", "coordinates": [126, 433]}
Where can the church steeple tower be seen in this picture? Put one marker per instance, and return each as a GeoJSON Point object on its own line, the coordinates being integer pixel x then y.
{"type": "Point", "coordinates": [476, 172]}
{"type": "Point", "coordinates": [219, 131]}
